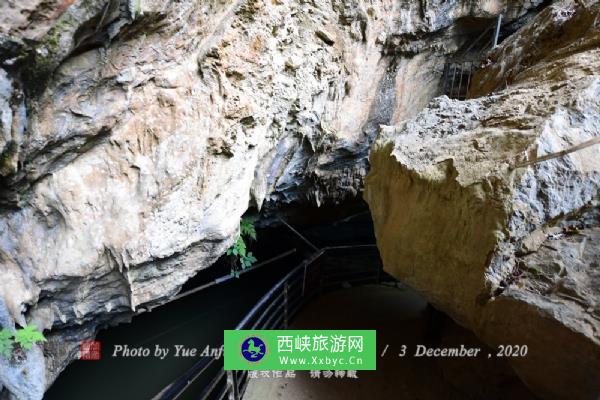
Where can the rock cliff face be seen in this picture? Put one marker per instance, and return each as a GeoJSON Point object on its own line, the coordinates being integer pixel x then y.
{"type": "Point", "coordinates": [490, 206]}
{"type": "Point", "coordinates": [134, 134]}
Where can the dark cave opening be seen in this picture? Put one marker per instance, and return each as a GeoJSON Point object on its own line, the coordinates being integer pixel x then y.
{"type": "Point", "coordinates": [197, 321]}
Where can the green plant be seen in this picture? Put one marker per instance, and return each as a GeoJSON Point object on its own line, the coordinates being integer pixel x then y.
{"type": "Point", "coordinates": [247, 228]}
{"type": "Point", "coordinates": [247, 260]}
{"type": "Point", "coordinates": [239, 249]}
{"type": "Point", "coordinates": [28, 336]}
{"type": "Point", "coordinates": [24, 337]}
{"type": "Point", "coordinates": [536, 270]}
{"type": "Point", "coordinates": [6, 343]}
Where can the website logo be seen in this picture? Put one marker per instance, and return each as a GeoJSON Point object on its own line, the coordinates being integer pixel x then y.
{"type": "Point", "coordinates": [294, 350]}
{"type": "Point", "coordinates": [253, 349]}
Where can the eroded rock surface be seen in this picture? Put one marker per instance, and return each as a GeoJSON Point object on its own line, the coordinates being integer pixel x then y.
{"type": "Point", "coordinates": [474, 202]}
{"type": "Point", "coordinates": [134, 134]}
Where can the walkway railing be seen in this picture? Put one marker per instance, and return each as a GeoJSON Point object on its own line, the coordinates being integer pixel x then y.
{"type": "Point", "coordinates": [461, 67]}
{"type": "Point", "coordinates": [275, 310]}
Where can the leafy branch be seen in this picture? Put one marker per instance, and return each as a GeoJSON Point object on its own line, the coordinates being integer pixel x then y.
{"type": "Point", "coordinates": [239, 248]}
{"type": "Point", "coordinates": [247, 228]}
{"type": "Point", "coordinates": [24, 338]}
{"type": "Point", "coordinates": [28, 336]}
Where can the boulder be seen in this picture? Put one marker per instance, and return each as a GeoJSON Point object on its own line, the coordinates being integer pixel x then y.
{"type": "Point", "coordinates": [489, 206]}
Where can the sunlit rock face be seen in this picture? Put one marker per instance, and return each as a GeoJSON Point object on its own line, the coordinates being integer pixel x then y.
{"type": "Point", "coordinates": [469, 211]}
{"type": "Point", "coordinates": [134, 134]}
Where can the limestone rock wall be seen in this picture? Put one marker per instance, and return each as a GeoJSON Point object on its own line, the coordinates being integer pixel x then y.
{"type": "Point", "coordinates": [135, 133]}
{"type": "Point", "coordinates": [489, 206]}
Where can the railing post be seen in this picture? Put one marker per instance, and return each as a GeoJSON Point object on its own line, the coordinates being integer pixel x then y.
{"type": "Point", "coordinates": [304, 280]}
{"type": "Point", "coordinates": [321, 279]}
{"type": "Point", "coordinates": [460, 80]}
{"type": "Point", "coordinates": [305, 240]}
{"type": "Point", "coordinates": [497, 31]}
{"type": "Point", "coordinates": [445, 76]}
{"type": "Point", "coordinates": [285, 305]}
{"type": "Point", "coordinates": [453, 78]}
{"type": "Point", "coordinates": [470, 72]}
{"type": "Point", "coordinates": [232, 386]}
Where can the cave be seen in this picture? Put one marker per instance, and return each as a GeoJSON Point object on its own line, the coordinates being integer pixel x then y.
{"type": "Point", "coordinates": [345, 199]}
{"type": "Point", "coordinates": [345, 287]}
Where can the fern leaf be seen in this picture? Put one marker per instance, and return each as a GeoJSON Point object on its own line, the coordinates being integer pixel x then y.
{"type": "Point", "coordinates": [247, 228]}
{"type": "Point", "coordinates": [28, 336]}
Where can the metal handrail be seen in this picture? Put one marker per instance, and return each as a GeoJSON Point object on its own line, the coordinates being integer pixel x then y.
{"type": "Point", "coordinates": [463, 64]}
{"type": "Point", "coordinates": [275, 309]}
{"type": "Point", "coordinates": [174, 390]}
{"type": "Point", "coordinates": [213, 384]}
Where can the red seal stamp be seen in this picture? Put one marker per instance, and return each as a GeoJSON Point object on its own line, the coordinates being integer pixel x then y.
{"type": "Point", "coordinates": [90, 350]}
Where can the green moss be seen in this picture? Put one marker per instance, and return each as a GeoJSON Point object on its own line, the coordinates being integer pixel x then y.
{"type": "Point", "coordinates": [52, 38]}
{"type": "Point", "coordinates": [42, 60]}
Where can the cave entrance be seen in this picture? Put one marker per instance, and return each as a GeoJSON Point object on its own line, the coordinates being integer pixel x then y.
{"type": "Point", "coordinates": [344, 287]}
{"type": "Point", "coordinates": [351, 292]}
{"type": "Point", "coordinates": [213, 301]}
